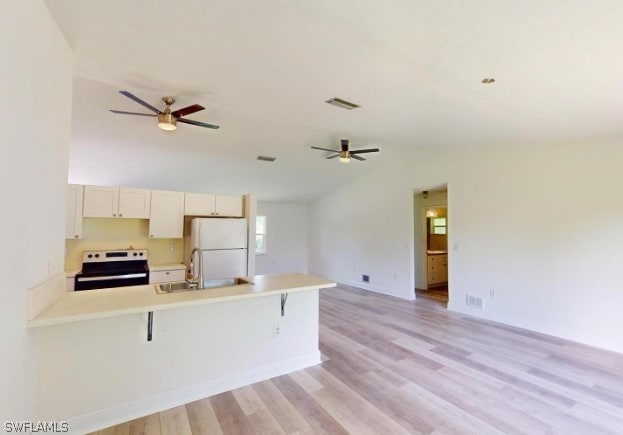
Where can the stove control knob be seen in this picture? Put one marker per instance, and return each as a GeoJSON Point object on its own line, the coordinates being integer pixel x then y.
{"type": "Point", "coordinates": [90, 256]}
{"type": "Point", "coordinates": [97, 255]}
{"type": "Point", "coordinates": [135, 254]}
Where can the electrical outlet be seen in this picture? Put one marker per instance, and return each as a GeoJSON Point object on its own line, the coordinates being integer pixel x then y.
{"type": "Point", "coordinates": [172, 247]}
{"type": "Point", "coordinates": [276, 330]}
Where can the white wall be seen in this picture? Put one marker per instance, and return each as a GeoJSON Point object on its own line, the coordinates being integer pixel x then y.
{"type": "Point", "coordinates": [544, 229]}
{"type": "Point", "coordinates": [366, 227]}
{"type": "Point", "coordinates": [540, 225]}
{"type": "Point", "coordinates": [36, 75]}
{"type": "Point", "coordinates": [286, 238]}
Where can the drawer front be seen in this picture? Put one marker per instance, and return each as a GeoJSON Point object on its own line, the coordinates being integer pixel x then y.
{"type": "Point", "coordinates": [438, 258]}
{"type": "Point", "coordinates": [158, 276]}
{"type": "Point", "coordinates": [434, 278]}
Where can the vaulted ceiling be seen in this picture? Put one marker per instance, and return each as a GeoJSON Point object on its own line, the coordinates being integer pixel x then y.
{"type": "Point", "coordinates": [263, 70]}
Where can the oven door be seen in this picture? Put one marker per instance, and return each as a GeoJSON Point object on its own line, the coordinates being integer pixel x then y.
{"type": "Point", "coordinates": [90, 282]}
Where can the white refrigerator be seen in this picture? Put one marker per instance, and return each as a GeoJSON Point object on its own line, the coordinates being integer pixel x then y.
{"type": "Point", "coordinates": [223, 245]}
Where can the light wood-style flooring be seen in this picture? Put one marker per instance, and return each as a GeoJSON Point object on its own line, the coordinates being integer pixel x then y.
{"type": "Point", "coordinates": [439, 294]}
{"type": "Point", "coordinates": [392, 367]}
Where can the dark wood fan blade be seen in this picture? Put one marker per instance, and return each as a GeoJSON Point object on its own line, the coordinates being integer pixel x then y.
{"type": "Point", "coordinates": [200, 124]}
{"type": "Point", "coordinates": [139, 101]}
{"type": "Point", "coordinates": [356, 157]}
{"type": "Point", "coordinates": [325, 149]}
{"type": "Point", "coordinates": [369, 150]}
{"type": "Point", "coordinates": [132, 113]}
{"type": "Point", "coordinates": [332, 157]}
{"type": "Point", "coordinates": [187, 110]}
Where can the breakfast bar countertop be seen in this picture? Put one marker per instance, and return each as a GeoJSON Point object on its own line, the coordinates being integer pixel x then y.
{"type": "Point", "coordinates": [96, 304]}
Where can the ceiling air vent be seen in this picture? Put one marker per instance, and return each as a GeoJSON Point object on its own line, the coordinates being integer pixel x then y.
{"type": "Point", "coordinates": [266, 158]}
{"type": "Point", "coordinates": [338, 102]}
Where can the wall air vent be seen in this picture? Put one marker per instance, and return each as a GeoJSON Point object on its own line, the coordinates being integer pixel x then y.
{"type": "Point", "coordinates": [474, 302]}
{"type": "Point", "coordinates": [266, 158]}
{"type": "Point", "coordinates": [338, 102]}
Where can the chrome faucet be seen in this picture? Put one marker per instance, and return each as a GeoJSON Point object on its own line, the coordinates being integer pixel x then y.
{"type": "Point", "coordinates": [199, 280]}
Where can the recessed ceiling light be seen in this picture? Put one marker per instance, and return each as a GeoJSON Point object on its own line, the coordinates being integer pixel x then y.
{"type": "Point", "coordinates": [338, 102]}
{"type": "Point", "coordinates": [266, 158]}
{"type": "Point", "coordinates": [487, 81]}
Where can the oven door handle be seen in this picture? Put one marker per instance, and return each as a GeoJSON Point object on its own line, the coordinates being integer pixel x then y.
{"type": "Point", "coordinates": [106, 278]}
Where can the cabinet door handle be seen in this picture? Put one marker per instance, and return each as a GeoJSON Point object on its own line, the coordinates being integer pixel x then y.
{"type": "Point", "coordinates": [114, 215]}
{"type": "Point", "coordinates": [120, 215]}
{"type": "Point", "coordinates": [151, 235]}
{"type": "Point", "coordinates": [76, 236]}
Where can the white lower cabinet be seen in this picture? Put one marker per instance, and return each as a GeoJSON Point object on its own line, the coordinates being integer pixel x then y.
{"type": "Point", "coordinates": [173, 275]}
{"type": "Point", "coordinates": [167, 215]}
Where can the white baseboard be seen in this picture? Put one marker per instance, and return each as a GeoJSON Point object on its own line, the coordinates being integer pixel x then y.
{"type": "Point", "coordinates": [159, 402]}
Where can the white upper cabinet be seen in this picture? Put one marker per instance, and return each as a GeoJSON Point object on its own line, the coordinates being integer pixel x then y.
{"type": "Point", "coordinates": [73, 222]}
{"type": "Point", "coordinates": [101, 201]}
{"type": "Point", "coordinates": [115, 202]}
{"type": "Point", "coordinates": [200, 204]}
{"type": "Point", "coordinates": [167, 215]}
{"type": "Point", "coordinates": [134, 203]}
{"type": "Point", "coordinates": [231, 206]}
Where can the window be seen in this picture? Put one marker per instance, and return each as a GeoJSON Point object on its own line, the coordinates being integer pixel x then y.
{"type": "Point", "coordinates": [438, 225]}
{"type": "Point", "coordinates": [260, 235]}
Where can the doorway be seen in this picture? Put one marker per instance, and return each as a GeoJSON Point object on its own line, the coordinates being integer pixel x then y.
{"type": "Point", "coordinates": [431, 245]}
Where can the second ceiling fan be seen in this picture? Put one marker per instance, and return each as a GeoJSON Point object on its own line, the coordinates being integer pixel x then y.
{"type": "Point", "coordinates": [345, 154]}
{"type": "Point", "coordinates": [167, 119]}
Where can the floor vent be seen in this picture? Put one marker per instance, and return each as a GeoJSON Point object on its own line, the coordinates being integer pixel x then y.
{"type": "Point", "coordinates": [474, 302]}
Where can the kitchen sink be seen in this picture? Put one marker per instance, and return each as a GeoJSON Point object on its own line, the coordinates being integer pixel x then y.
{"type": "Point", "coordinates": [174, 287]}
{"type": "Point", "coordinates": [182, 286]}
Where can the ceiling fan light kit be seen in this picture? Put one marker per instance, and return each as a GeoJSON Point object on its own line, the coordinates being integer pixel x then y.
{"type": "Point", "coordinates": [167, 119]}
{"type": "Point", "coordinates": [345, 154]}
{"type": "Point", "coordinates": [167, 122]}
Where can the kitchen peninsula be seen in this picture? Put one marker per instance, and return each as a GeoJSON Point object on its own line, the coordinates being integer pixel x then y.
{"type": "Point", "coordinates": [204, 342]}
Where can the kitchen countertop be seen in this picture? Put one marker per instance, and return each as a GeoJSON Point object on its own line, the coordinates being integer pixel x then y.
{"type": "Point", "coordinates": [436, 252]}
{"type": "Point", "coordinates": [102, 303]}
